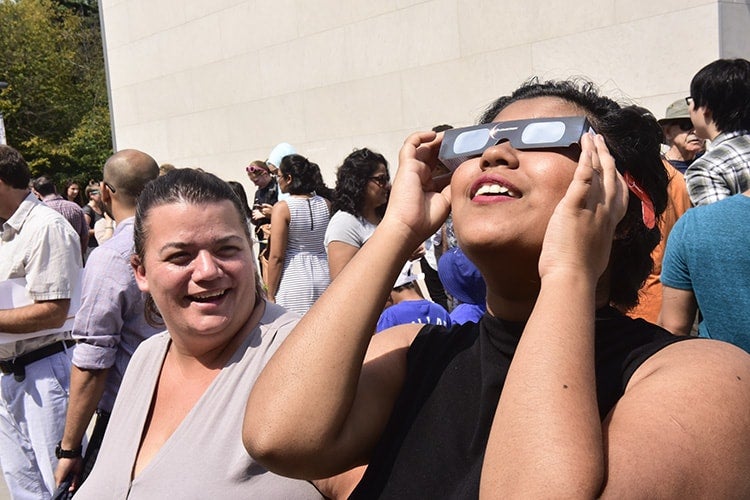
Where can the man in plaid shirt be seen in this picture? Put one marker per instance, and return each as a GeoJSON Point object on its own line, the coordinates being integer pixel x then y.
{"type": "Point", "coordinates": [720, 111]}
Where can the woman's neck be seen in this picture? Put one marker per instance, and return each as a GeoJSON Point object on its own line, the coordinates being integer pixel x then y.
{"type": "Point", "coordinates": [510, 301]}
{"type": "Point", "coordinates": [371, 215]}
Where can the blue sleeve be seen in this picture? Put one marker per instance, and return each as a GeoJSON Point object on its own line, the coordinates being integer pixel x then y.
{"type": "Point", "coordinates": [675, 272]}
{"type": "Point", "coordinates": [385, 321]}
{"type": "Point", "coordinates": [108, 293]}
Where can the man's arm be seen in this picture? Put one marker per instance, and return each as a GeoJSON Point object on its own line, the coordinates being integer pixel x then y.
{"type": "Point", "coordinates": [678, 309]}
{"type": "Point", "coordinates": [106, 298]}
{"type": "Point", "coordinates": [86, 389]}
{"type": "Point", "coordinates": [41, 315]}
{"type": "Point", "coordinates": [705, 183]}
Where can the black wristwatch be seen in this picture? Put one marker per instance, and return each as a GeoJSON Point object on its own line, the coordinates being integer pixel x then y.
{"type": "Point", "coordinates": [60, 453]}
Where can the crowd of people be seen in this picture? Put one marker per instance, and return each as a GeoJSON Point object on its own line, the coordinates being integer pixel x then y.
{"type": "Point", "coordinates": [553, 302]}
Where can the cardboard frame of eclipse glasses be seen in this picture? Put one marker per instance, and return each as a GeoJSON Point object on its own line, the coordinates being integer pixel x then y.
{"type": "Point", "coordinates": [461, 144]}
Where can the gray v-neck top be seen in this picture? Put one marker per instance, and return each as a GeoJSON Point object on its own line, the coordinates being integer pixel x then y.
{"type": "Point", "coordinates": [204, 457]}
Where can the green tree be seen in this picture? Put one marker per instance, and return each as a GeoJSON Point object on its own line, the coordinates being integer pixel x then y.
{"type": "Point", "coordinates": [55, 107]}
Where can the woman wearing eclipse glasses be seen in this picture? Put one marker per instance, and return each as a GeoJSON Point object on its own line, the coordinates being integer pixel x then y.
{"type": "Point", "coordinates": [554, 392]}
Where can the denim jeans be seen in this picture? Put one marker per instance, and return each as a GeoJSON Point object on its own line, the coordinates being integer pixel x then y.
{"type": "Point", "coordinates": [32, 420]}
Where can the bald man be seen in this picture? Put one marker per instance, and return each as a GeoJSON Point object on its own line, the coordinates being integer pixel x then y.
{"type": "Point", "coordinates": [110, 324]}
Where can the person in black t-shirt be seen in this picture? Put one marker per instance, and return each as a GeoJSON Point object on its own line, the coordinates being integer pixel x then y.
{"type": "Point", "coordinates": [554, 392]}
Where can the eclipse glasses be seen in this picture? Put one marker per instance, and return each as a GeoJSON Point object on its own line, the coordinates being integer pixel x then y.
{"type": "Point", "coordinates": [461, 144]}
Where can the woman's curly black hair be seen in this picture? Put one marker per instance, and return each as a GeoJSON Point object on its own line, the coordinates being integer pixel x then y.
{"type": "Point", "coordinates": [634, 139]}
{"type": "Point", "coordinates": [352, 178]}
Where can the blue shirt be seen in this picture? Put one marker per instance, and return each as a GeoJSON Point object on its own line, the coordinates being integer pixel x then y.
{"type": "Point", "coordinates": [465, 313]}
{"type": "Point", "coordinates": [413, 311]}
{"type": "Point", "coordinates": [111, 323]}
{"type": "Point", "coordinates": [707, 253]}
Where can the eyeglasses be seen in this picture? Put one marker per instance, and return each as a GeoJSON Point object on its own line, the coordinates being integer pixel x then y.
{"type": "Point", "coordinates": [461, 144]}
{"type": "Point", "coordinates": [381, 180]}
{"type": "Point", "coordinates": [689, 99]}
{"type": "Point", "coordinates": [94, 191]}
{"type": "Point", "coordinates": [109, 186]}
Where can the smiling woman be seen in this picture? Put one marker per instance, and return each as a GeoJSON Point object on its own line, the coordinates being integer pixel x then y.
{"type": "Point", "coordinates": [554, 392]}
{"type": "Point", "coordinates": [175, 428]}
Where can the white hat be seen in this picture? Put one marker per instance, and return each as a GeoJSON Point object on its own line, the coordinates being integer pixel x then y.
{"type": "Point", "coordinates": [279, 152]}
{"type": "Point", "coordinates": [407, 276]}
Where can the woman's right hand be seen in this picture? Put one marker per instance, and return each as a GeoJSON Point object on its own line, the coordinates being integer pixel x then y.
{"type": "Point", "coordinates": [579, 234]}
{"type": "Point", "coordinates": [415, 203]}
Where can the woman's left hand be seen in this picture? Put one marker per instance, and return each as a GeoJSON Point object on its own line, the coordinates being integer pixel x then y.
{"type": "Point", "coordinates": [580, 232]}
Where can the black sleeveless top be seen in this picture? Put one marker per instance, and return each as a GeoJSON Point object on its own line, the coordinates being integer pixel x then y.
{"type": "Point", "coordinates": [433, 445]}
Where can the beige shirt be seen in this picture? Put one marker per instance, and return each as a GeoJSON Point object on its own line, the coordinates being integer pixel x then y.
{"type": "Point", "coordinates": [38, 244]}
{"type": "Point", "coordinates": [204, 457]}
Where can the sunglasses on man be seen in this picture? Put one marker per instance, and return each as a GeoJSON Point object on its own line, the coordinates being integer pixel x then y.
{"type": "Point", "coordinates": [685, 125]}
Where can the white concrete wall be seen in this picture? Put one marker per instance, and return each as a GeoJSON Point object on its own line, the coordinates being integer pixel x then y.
{"type": "Point", "coordinates": [218, 83]}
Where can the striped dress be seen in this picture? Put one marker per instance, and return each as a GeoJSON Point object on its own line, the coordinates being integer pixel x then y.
{"type": "Point", "coordinates": [305, 275]}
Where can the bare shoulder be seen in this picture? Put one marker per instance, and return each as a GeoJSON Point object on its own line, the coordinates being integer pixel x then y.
{"type": "Point", "coordinates": [396, 338]}
{"type": "Point", "coordinates": [280, 210]}
{"type": "Point", "coordinates": [384, 367]}
{"type": "Point", "coordinates": [682, 428]}
{"type": "Point", "coordinates": [380, 383]}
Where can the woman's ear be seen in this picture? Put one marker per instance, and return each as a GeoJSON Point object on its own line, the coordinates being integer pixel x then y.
{"type": "Point", "coordinates": [140, 273]}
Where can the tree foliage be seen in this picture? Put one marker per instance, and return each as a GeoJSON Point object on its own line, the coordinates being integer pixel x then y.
{"type": "Point", "coordinates": [55, 107]}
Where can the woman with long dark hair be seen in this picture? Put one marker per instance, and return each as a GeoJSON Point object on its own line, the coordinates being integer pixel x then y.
{"type": "Point", "coordinates": [297, 264]}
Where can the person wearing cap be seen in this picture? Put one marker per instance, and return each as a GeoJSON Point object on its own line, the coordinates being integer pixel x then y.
{"type": "Point", "coordinates": [719, 105]}
{"type": "Point", "coordinates": [679, 135]}
{"type": "Point", "coordinates": [463, 281]}
{"type": "Point", "coordinates": [407, 305]}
